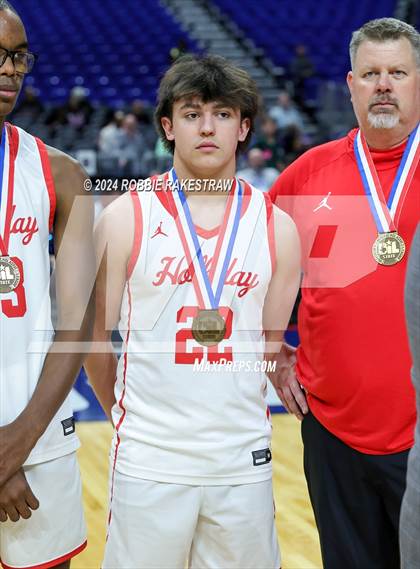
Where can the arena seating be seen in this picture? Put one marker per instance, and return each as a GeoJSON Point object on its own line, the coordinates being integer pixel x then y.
{"type": "Point", "coordinates": [277, 26]}
{"type": "Point", "coordinates": [116, 50]}
{"type": "Point", "coordinates": [119, 52]}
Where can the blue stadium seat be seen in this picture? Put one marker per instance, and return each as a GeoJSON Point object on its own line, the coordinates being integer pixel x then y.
{"type": "Point", "coordinates": [279, 25]}
{"type": "Point", "coordinates": [92, 40]}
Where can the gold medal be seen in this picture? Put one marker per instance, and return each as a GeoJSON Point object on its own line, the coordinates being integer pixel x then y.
{"type": "Point", "coordinates": [388, 249]}
{"type": "Point", "coordinates": [208, 327]}
{"type": "Point", "coordinates": [9, 275]}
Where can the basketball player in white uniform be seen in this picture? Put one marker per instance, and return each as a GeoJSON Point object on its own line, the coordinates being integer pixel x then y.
{"type": "Point", "coordinates": [193, 278]}
{"type": "Point", "coordinates": [41, 518]}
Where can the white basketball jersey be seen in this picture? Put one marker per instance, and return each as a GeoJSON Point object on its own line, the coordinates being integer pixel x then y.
{"type": "Point", "coordinates": [26, 330]}
{"type": "Point", "coordinates": [186, 413]}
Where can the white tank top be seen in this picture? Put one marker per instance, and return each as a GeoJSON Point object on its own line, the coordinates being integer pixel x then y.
{"type": "Point", "coordinates": [174, 422]}
{"type": "Point", "coordinates": [25, 314]}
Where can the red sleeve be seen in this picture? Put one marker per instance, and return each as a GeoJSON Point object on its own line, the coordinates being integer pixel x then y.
{"type": "Point", "coordinates": [275, 189]}
{"type": "Point", "coordinates": [270, 232]}
{"type": "Point", "coordinates": [285, 188]}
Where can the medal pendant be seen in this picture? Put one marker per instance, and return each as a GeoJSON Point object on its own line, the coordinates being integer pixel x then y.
{"type": "Point", "coordinates": [208, 327]}
{"type": "Point", "coordinates": [9, 275]}
{"type": "Point", "coordinates": [388, 249]}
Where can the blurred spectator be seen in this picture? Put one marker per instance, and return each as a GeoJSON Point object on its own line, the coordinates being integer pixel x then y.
{"type": "Point", "coordinates": [142, 111]}
{"type": "Point", "coordinates": [133, 151]}
{"type": "Point", "coordinates": [79, 109]}
{"type": "Point", "coordinates": [269, 141]}
{"type": "Point", "coordinates": [75, 112]}
{"type": "Point", "coordinates": [301, 69]}
{"type": "Point", "coordinates": [123, 150]}
{"type": "Point", "coordinates": [30, 104]}
{"type": "Point", "coordinates": [108, 141]}
{"type": "Point", "coordinates": [295, 143]}
{"type": "Point", "coordinates": [257, 173]}
{"type": "Point", "coordinates": [285, 113]}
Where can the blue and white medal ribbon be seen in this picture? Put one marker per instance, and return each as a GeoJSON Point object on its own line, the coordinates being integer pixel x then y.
{"type": "Point", "coordinates": [10, 274]}
{"type": "Point", "coordinates": [389, 247]}
{"type": "Point", "coordinates": [208, 296]}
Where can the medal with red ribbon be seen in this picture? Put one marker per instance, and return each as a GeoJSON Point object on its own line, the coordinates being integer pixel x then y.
{"type": "Point", "coordinates": [10, 276]}
{"type": "Point", "coordinates": [389, 247]}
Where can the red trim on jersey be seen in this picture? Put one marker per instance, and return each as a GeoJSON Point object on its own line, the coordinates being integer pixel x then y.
{"type": "Point", "coordinates": [121, 403]}
{"type": "Point", "coordinates": [205, 233]}
{"type": "Point", "coordinates": [161, 193]}
{"type": "Point", "coordinates": [270, 231]}
{"type": "Point", "coordinates": [52, 563]}
{"type": "Point", "coordinates": [138, 232]}
{"type": "Point", "coordinates": [13, 138]}
{"type": "Point", "coordinates": [181, 233]}
{"type": "Point", "coordinates": [49, 180]}
{"type": "Point", "coordinates": [247, 196]}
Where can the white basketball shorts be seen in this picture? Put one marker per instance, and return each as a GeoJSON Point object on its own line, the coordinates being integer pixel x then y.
{"type": "Point", "coordinates": [156, 525]}
{"type": "Point", "coordinates": [56, 530]}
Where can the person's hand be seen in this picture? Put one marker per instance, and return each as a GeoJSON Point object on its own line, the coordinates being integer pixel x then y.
{"type": "Point", "coordinates": [17, 499]}
{"type": "Point", "coordinates": [15, 445]}
{"type": "Point", "coordinates": [285, 382]}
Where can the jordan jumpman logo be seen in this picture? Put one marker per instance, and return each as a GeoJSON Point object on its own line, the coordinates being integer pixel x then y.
{"type": "Point", "coordinates": [159, 231]}
{"type": "Point", "coordinates": [323, 203]}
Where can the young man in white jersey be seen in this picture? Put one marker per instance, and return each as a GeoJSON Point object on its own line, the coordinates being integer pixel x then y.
{"type": "Point", "coordinates": [41, 517]}
{"type": "Point", "coordinates": [193, 276]}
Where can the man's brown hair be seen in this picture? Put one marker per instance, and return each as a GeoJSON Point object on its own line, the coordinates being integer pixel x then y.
{"type": "Point", "coordinates": [210, 78]}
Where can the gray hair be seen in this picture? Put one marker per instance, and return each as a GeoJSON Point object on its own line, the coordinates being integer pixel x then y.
{"type": "Point", "coordinates": [5, 5]}
{"type": "Point", "coordinates": [384, 29]}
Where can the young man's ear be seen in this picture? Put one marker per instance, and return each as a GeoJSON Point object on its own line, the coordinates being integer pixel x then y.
{"type": "Point", "coordinates": [244, 129]}
{"type": "Point", "coordinates": [167, 127]}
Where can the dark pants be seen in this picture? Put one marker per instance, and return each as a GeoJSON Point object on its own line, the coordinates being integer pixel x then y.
{"type": "Point", "coordinates": [356, 499]}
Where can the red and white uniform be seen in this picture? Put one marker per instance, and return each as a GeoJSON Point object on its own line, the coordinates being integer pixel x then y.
{"type": "Point", "coordinates": [25, 314]}
{"type": "Point", "coordinates": [173, 423]}
{"type": "Point", "coordinates": [56, 531]}
{"type": "Point", "coordinates": [353, 358]}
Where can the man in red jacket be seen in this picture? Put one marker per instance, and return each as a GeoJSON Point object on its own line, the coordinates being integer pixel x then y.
{"type": "Point", "coordinates": [356, 204]}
